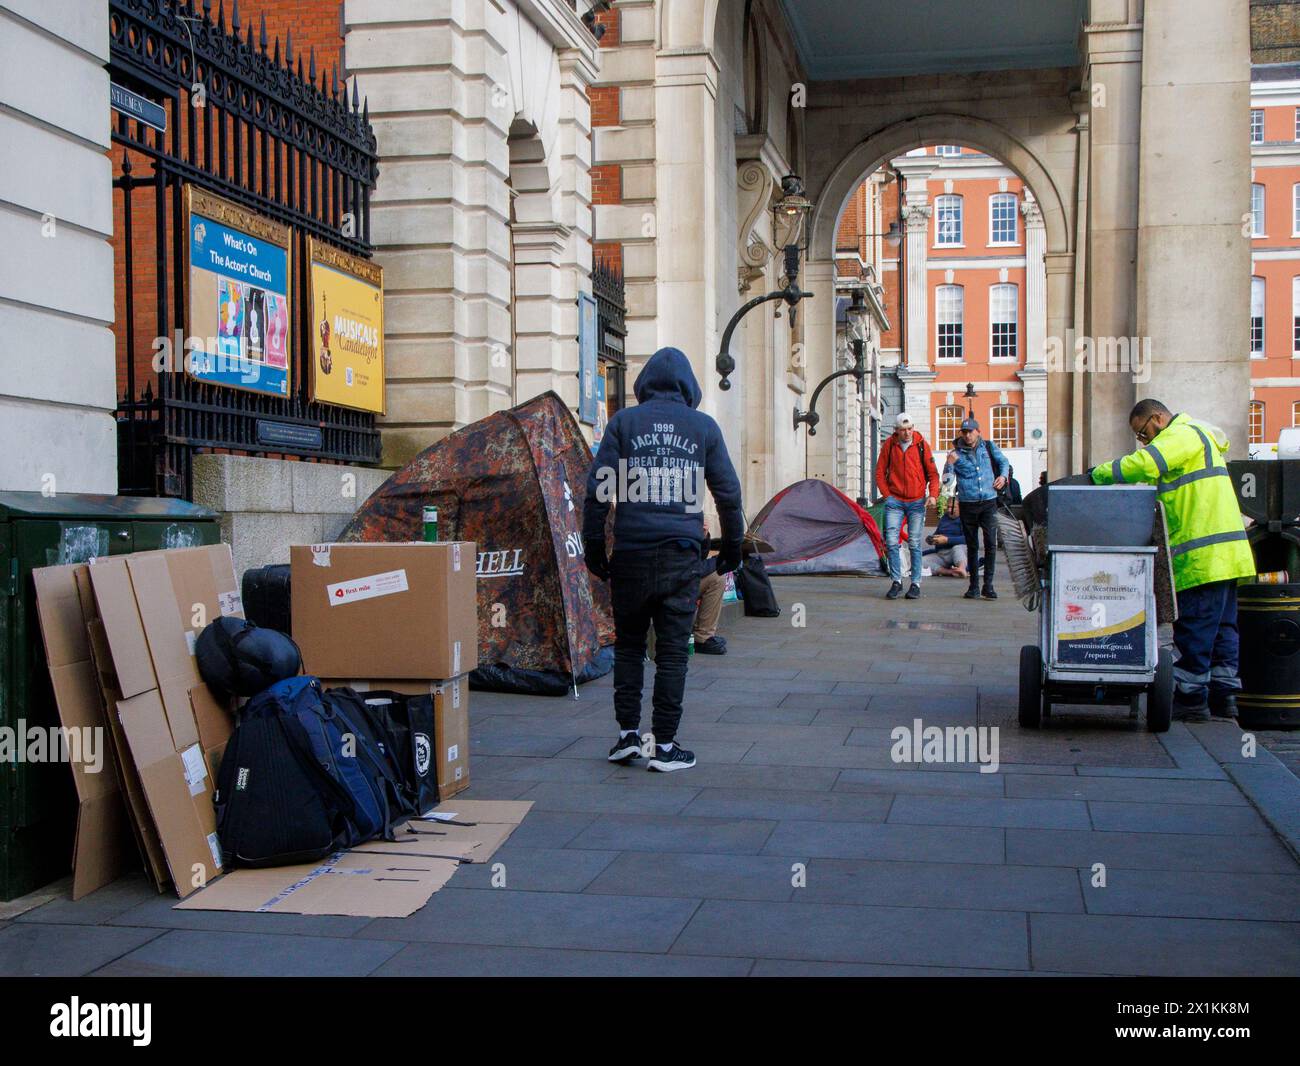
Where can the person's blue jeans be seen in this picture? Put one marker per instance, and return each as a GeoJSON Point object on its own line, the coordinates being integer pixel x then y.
{"type": "Point", "coordinates": [1206, 638]}
{"type": "Point", "coordinates": [895, 512]}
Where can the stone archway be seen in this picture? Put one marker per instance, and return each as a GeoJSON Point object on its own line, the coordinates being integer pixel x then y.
{"type": "Point", "coordinates": [899, 138]}
{"type": "Point", "coordinates": [1050, 243]}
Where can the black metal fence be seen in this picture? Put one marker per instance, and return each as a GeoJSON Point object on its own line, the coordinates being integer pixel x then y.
{"type": "Point", "coordinates": [248, 121]}
{"type": "Point", "coordinates": [611, 308]}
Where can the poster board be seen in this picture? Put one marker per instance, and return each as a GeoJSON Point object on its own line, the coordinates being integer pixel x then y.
{"type": "Point", "coordinates": [347, 328]}
{"type": "Point", "coordinates": [1100, 610]}
{"type": "Point", "coordinates": [588, 329]}
{"type": "Point", "coordinates": [238, 319]}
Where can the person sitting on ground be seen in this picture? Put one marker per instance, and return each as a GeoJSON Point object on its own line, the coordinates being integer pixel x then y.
{"type": "Point", "coordinates": [949, 544]}
{"type": "Point", "coordinates": [707, 639]}
{"type": "Point", "coordinates": [709, 610]}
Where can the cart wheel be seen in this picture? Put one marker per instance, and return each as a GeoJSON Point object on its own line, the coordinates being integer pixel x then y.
{"type": "Point", "coordinates": [1031, 686]}
{"type": "Point", "coordinates": [1160, 698]}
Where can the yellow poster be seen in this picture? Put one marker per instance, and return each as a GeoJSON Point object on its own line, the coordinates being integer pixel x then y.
{"type": "Point", "coordinates": [347, 329]}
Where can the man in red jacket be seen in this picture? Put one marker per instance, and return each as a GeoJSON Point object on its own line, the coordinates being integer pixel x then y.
{"type": "Point", "coordinates": [908, 480]}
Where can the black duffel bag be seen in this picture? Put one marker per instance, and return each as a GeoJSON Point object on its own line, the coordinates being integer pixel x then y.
{"type": "Point", "coordinates": [236, 657]}
{"type": "Point", "coordinates": [404, 727]}
{"type": "Point", "coordinates": [755, 589]}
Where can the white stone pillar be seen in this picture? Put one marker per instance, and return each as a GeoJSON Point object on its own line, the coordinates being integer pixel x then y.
{"type": "Point", "coordinates": [684, 221]}
{"type": "Point", "coordinates": [1033, 374]}
{"type": "Point", "coordinates": [1193, 260]}
{"type": "Point", "coordinates": [58, 387]}
{"type": "Point", "coordinates": [1113, 46]}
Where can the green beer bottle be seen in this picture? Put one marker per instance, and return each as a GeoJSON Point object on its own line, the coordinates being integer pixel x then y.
{"type": "Point", "coordinates": [431, 524]}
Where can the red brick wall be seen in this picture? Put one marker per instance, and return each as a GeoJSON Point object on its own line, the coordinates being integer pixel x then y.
{"type": "Point", "coordinates": [611, 20]}
{"type": "Point", "coordinates": [604, 105]}
{"type": "Point", "coordinates": [315, 24]}
{"type": "Point", "coordinates": [608, 254]}
{"type": "Point", "coordinates": [607, 184]}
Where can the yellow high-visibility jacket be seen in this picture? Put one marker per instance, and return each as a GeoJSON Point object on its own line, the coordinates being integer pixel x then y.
{"type": "Point", "coordinates": [1207, 538]}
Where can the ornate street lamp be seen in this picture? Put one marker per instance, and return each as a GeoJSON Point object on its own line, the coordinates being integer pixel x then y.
{"type": "Point", "coordinates": [789, 221]}
{"type": "Point", "coordinates": [969, 397]}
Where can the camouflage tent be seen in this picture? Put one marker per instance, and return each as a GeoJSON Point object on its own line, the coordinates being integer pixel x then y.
{"type": "Point", "coordinates": [514, 484]}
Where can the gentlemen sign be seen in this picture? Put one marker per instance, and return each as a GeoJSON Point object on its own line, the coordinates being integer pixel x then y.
{"type": "Point", "coordinates": [135, 106]}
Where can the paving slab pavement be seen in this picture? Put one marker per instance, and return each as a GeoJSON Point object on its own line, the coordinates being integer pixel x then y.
{"type": "Point", "coordinates": [800, 845]}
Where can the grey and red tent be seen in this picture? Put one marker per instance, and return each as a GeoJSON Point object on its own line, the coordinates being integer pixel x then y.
{"type": "Point", "coordinates": [815, 529]}
{"type": "Point", "coordinates": [513, 483]}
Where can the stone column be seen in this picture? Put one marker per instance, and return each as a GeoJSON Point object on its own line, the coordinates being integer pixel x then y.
{"type": "Point", "coordinates": [1113, 47]}
{"type": "Point", "coordinates": [438, 86]}
{"type": "Point", "coordinates": [1033, 374]}
{"type": "Point", "coordinates": [914, 372]}
{"type": "Point", "coordinates": [1193, 261]}
{"type": "Point", "coordinates": [818, 315]}
{"type": "Point", "coordinates": [685, 218]}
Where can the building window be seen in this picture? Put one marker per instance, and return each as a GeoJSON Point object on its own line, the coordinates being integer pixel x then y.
{"type": "Point", "coordinates": [948, 149]}
{"type": "Point", "coordinates": [1295, 315]}
{"type": "Point", "coordinates": [1004, 306]}
{"type": "Point", "coordinates": [947, 214]}
{"type": "Point", "coordinates": [947, 424]}
{"type": "Point", "coordinates": [1295, 414]}
{"type": "Point", "coordinates": [1295, 210]}
{"type": "Point", "coordinates": [1256, 422]}
{"type": "Point", "coordinates": [1297, 123]}
{"type": "Point", "coordinates": [1256, 125]}
{"type": "Point", "coordinates": [1257, 210]}
{"type": "Point", "coordinates": [1257, 317]}
{"type": "Point", "coordinates": [1003, 208]}
{"type": "Point", "coordinates": [949, 314]}
{"type": "Point", "coordinates": [1006, 425]}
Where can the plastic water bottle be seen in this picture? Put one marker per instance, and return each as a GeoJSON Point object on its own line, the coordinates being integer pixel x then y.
{"type": "Point", "coordinates": [431, 524]}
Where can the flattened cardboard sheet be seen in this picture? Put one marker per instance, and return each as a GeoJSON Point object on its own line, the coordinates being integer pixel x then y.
{"type": "Point", "coordinates": [102, 844]}
{"type": "Point", "coordinates": [367, 885]}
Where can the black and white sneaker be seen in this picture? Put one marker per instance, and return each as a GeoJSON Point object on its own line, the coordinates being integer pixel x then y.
{"type": "Point", "coordinates": [666, 760]}
{"type": "Point", "coordinates": [625, 749]}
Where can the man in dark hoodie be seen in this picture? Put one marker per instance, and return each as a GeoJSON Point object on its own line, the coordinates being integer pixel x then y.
{"type": "Point", "coordinates": [653, 463]}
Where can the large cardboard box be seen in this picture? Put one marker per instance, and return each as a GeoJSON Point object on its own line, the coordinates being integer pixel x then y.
{"type": "Point", "coordinates": [385, 610]}
{"type": "Point", "coordinates": [450, 722]}
{"type": "Point", "coordinates": [151, 605]}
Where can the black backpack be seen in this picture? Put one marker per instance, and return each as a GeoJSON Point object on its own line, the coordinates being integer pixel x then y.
{"type": "Point", "coordinates": [238, 658]}
{"type": "Point", "coordinates": [755, 589]}
{"type": "Point", "coordinates": [275, 804]}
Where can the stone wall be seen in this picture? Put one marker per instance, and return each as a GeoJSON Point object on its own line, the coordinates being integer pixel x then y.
{"type": "Point", "coordinates": [482, 214]}
{"type": "Point", "coordinates": [57, 393]}
{"type": "Point", "coordinates": [268, 504]}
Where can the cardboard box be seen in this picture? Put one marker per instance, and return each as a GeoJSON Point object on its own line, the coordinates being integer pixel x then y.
{"type": "Point", "coordinates": [150, 605]}
{"type": "Point", "coordinates": [102, 847]}
{"type": "Point", "coordinates": [385, 610]}
{"type": "Point", "coordinates": [450, 722]}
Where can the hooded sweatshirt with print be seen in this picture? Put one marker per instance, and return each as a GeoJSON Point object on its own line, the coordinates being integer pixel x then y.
{"type": "Point", "coordinates": [654, 461]}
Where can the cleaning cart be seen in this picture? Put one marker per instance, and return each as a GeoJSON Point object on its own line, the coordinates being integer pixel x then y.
{"type": "Point", "coordinates": [1097, 611]}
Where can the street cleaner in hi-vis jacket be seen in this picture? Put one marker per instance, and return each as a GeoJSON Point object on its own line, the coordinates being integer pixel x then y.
{"type": "Point", "coordinates": [1183, 458]}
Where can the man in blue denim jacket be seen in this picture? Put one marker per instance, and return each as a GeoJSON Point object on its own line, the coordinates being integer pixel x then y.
{"type": "Point", "coordinates": [982, 472]}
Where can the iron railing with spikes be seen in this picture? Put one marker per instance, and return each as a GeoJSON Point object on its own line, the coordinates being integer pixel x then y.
{"type": "Point", "coordinates": [259, 125]}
